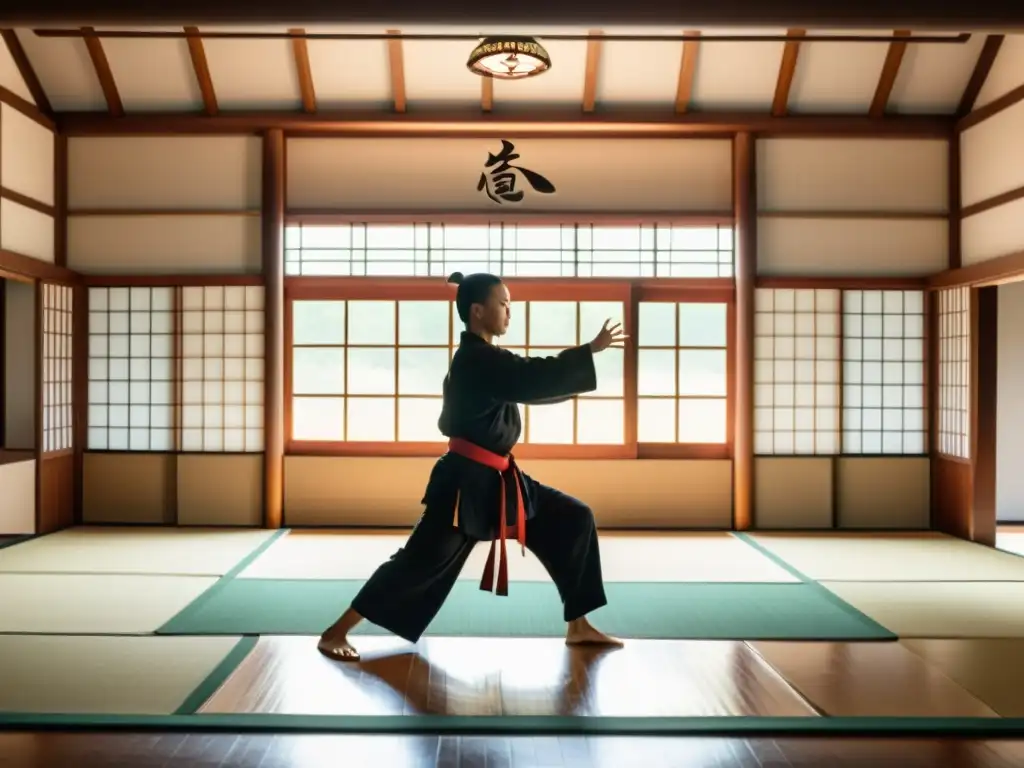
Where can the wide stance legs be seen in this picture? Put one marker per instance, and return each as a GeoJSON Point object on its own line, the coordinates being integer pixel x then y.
{"type": "Point", "coordinates": [405, 593]}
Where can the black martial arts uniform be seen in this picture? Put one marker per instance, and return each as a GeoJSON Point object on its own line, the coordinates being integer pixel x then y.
{"type": "Point", "coordinates": [464, 497]}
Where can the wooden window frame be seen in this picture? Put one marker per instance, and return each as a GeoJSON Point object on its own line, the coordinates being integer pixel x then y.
{"type": "Point", "coordinates": [628, 291]}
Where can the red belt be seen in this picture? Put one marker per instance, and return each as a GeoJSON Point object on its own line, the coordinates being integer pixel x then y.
{"type": "Point", "coordinates": [505, 466]}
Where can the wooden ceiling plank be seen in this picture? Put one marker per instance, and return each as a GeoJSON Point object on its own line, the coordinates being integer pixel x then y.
{"type": "Point", "coordinates": [396, 64]}
{"type": "Point", "coordinates": [890, 71]}
{"type": "Point", "coordinates": [787, 71]}
{"type": "Point", "coordinates": [302, 68]}
{"type": "Point", "coordinates": [28, 74]}
{"type": "Point", "coordinates": [197, 53]}
{"type": "Point", "coordinates": [687, 72]}
{"type": "Point", "coordinates": [103, 73]}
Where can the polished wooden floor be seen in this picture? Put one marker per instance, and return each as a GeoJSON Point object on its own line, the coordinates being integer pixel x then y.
{"type": "Point", "coordinates": [150, 750]}
{"type": "Point", "coordinates": [647, 678]}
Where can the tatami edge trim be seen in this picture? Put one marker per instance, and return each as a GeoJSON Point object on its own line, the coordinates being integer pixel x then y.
{"type": "Point", "coordinates": [526, 725]}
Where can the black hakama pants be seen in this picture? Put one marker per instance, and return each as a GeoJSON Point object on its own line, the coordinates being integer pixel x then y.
{"type": "Point", "coordinates": [405, 593]}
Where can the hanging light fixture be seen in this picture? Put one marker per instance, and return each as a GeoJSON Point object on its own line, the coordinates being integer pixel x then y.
{"type": "Point", "coordinates": [509, 58]}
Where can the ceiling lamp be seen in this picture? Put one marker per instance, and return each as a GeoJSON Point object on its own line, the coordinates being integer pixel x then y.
{"type": "Point", "coordinates": [509, 58]}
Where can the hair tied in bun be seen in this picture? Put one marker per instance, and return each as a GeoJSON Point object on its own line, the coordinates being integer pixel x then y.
{"type": "Point", "coordinates": [456, 278]}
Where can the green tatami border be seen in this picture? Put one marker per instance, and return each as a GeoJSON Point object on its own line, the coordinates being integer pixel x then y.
{"type": "Point", "coordinates": [825, 592]}
{"type": "Point", "coordinates": [218, 676]}
{"type": "Point", "coordinates": [226, 579]}
{"type": "Point", "coordinates": [524, 726]}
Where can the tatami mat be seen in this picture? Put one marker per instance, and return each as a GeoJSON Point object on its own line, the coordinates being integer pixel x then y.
{"type": "Point", "coordinates": [661, 557]}
{"type": "Point", "coordinates": [989, 669]}
{"type": "Point", "coordinates": [169, 551]}
{"type": "Point", "coordinates": [93, 604]}
{"type": "Point", "coordinates": [105, 675]}
{"type": "Point", "coordinates": [939, 609]}
{"type": "Point", "coordinates": [891, 557]}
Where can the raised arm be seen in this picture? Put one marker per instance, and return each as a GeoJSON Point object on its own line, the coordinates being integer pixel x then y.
{"type": "Point", "coordinates": [516, 379]}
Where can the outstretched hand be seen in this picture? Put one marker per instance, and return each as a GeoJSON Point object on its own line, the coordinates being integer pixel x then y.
{"type": "Point", "coordinates": [609, 337]}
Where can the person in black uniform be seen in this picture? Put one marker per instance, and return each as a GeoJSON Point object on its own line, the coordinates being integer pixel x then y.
{"type": "Point", "coordinates": [476, 492]}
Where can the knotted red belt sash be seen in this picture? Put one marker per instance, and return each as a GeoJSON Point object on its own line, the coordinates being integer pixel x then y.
{"type": "Point", "coordinates": [505, 466]}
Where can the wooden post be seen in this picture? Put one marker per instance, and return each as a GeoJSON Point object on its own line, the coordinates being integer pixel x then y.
{"type": "Point", "coordinates": [745, 212]}
{"type": "Point", "coordinates": [273, 281]}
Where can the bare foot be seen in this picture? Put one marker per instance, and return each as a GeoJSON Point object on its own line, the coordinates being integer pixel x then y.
{"type": "Point", "coordinates": [334, 642]}
{"type": "Point", "coordinates": [337, 648]}
{"type": "Point", "coordinates": [581, 632]}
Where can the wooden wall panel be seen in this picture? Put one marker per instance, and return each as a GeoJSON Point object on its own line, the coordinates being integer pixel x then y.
{"type": "Point", "coordinates": [793, 492]}
{"type": "Point", "coordinates": [56, 492]}
{"type": "Point", "coordinates": [328, 491]}
{"type": "Point", "coordinates": [815, 246]}
{"type": "Point", "coordinates": [951, 495]}
{"type": "Point", "coordinates": [26, 231]}
{"type": "Point", "coordinates": [885, 492]}
{"type": "Point", "coordinates": [177, 244]}
{"type": "Point", "coordinates": [183, 173]}
{"type": "Point", "coordinates": [17, 493]}
{"type": "Point", "coordinates": [1007, 71]}
{"type": "Point", "coordinates": [845, 175]}
{"type": "Point", "coordinates": [677, 175]}
{"type": "Point", "coordinates": [26, 156]}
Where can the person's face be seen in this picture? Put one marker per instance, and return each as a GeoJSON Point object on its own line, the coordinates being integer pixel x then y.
{"type": "Point", "coordinates": [493, 316]}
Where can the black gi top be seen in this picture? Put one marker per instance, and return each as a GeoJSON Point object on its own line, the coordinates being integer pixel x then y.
{"type": "Point", "coordinates": [481, 392]}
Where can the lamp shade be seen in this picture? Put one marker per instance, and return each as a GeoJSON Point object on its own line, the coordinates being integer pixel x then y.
{"type": "Point", "coordinates": [509, 58]}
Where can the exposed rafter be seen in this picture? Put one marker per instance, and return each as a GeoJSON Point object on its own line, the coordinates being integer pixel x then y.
{"type": "Point", "coordinates": [890, 71]}
{"type": "Point", "coordinates": [300, 50]}
{"type": "Point", "coordinates": [103, 73]}
{"type": "Point", "coordinates": [986, 59]}
{"type": "Point", "coordinates": [28, 73]}
{"type": "Point", "coordinates": [396, 66]}
{"type": "Point", "coordinates": [201, 67]}
{"type": "Point", "coordinates": [687, 72]}
{"type": "Point", "coordinates": [591, 72]}
{"type": "Point", "coordinates": [787, 71]}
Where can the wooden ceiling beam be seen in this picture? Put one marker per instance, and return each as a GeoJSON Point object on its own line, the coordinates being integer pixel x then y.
{"type": "Point", "coordinates": [396, 66]}
{"type": "Point", "coordinates": [982, 67]}
{"type": "Point", "coordinates": [687, 72]}
{"type": "Point", "coordinates": [300, 49]}
{"type": "Point", "coordinates": [591, 72]}
{"type": "Point", "coordinates": [809, 14]}
{"type": "Point", "coordinates": [201, 67]}
{"type": "Point", "coordinates": [103, 73]}
{"type": "Point", "coordinates": [787, 71]}
{"type": "Point", "coordinates": [890, 71]}
{"type": "Point", "coordinates": [538, 123]}
{"type": "Point", "coordinates": [28, 73]}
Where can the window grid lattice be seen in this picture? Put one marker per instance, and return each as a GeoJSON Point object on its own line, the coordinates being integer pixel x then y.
{"type": "Point", "coordinates": [511, 250]}
{"type": "Point", "coordinates": [883, 372]}
{"type": "Point", "coordinates": [954, 372]}
{"type": "Point", "coordinates": [682, 375]}
{"type": "Point", "coordinates": [149, 393]}
{"type": "Point", "coordinates": [372, 370]}
{"type": "Point", "coordinates": [796, 371]}
{"type": "Point", "coordinates": [222, 354]}
{"type": "Point", "coordinates": [57, 390]}
{"type": "Point", "coordinates": [131, 369]}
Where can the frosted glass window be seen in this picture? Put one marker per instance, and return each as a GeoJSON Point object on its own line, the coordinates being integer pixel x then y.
{"type": "Point", "coordinates": [131, 369]}
{"type": "Point", "coordinates": [796, 371]}
{"type": "Point", "coordinates": [883, 372]}
{"type": "Point", "coordinates": [58, 425]}
{"type": "Point", "coordinates": [682, 372]}
{"type": "Point", "coordinates": [954, 372]}
{"type": "Point", "coordinates": [222, 356]}
{"type": "Point", "coordinates": [512, 250]}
